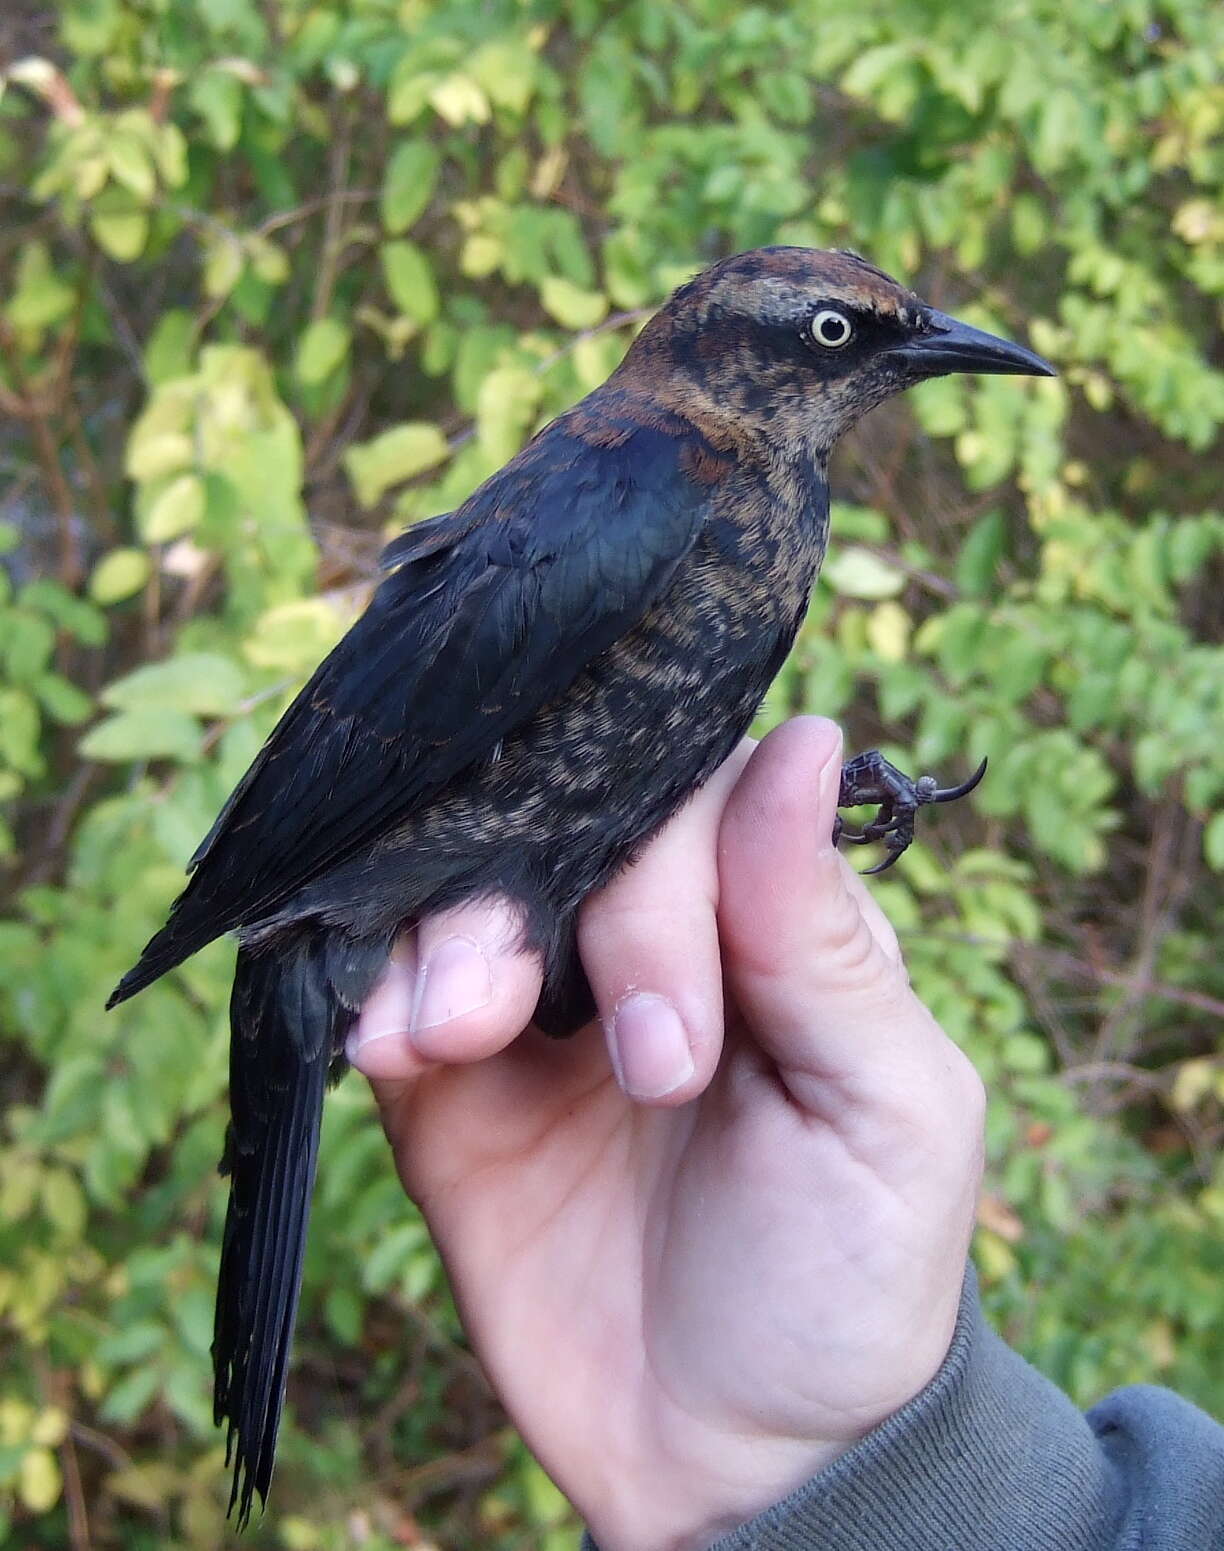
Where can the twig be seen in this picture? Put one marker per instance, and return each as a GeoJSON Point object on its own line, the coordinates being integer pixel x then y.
{"type": "Point", "coordinates": [36, 410]}
{"type": "Point", "coordinates": [1120, 1071]}
{"type": "Point", "coordinates": [74, 1497]}
{"type": "Point", "coordinates": [66, 809]}
{"type": "Point", "coordinates": [303, 212]}
{"type": "Point", "coordinates": [616, 321]}
{"type": "Point", "coordinates": [104, 521]}
{"type": "Point", "coordinates": [333, 233]}
{"type": "Point", "coordinates": [124, 332]}
{"type": "Point", "coordinates": [1155, 919]}
{"type": "Point", "coordinates": [98, 1443]}
{"type": "Point", "coordinates": [481, 1460]}
{"type": "Point", "coordinates": [1095, 1072]}
{"type": "Point", "coordinates": [244, 708]}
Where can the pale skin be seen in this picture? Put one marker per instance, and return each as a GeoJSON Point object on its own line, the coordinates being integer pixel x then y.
{"type": "Point", "coordinates": [691, 1295]}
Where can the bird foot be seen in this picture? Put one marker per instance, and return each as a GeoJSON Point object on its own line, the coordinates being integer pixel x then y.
{"type": "Point", "coordinates": [869, 778]}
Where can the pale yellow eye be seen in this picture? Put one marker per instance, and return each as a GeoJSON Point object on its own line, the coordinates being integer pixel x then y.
{"type": "Point", "coordinates": [831, 329]}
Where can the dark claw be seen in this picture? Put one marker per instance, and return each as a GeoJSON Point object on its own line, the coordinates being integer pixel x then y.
{"type": "Point", "coordinates": [869, 778]}
{"type": "Point", "coordinates": [951, 793]}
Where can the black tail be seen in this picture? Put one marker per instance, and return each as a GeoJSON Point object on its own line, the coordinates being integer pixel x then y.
{"type": "Point", "coordinates": [291, 1008]}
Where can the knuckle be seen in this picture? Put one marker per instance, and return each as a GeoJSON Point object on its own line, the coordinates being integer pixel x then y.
{"type": "Point", "coordinates": [971, 1097]}
{"type": "Point", "coordinates": [851, 952]}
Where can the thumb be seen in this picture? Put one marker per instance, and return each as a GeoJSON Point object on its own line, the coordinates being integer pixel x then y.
{"type": "Point", "coordinates": [810, 959]}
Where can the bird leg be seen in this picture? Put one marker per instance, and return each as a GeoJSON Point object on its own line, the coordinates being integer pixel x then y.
{"type": "Point", "coordinates": [870, 778]}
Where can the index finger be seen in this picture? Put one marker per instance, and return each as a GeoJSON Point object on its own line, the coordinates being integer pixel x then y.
{"type": "Point", "coordinates": [458, 989]}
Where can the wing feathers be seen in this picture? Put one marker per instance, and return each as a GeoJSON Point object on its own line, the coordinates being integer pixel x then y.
{"type": "Point", "coordinates": [491, 612]}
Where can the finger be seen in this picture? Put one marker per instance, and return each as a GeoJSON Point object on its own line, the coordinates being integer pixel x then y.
{"type": "Point", "coordinates": [649, 944]}
{"type": "Point", "coordinates": [457, 989]}
{"type": "Point", "coordinates": [880, 926]}
{"type": "Point", "coordinates": [811, 963]}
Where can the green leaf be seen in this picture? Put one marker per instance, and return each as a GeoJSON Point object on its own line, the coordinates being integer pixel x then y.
{"type": "Point", "coordinates": [176, 510]}
{"type": "Point", "coordinates": [408, 184]}
{"type": "Point", "coordinates": [345, 1312]}
{"type": "Point", "coordinates": [323, 349]}
{"type": "Point", "coordinates": [978, 559]}
{"type": "Point", "coordinates": [40, 298]}
{"type": "Point", "coordinates": [223, 266]}
{"type": "Point", "coordinates": [410, 281]}
{"type": "Point", "coordinates": [459, 100]}
{"type": "Point", "coordinates": [132, 164]}
{"type": "Point", "coordinates": [217, 97]}
{"type": "Point", "coordinates": [150, 456]}
{"type": "Point", "coordinates": [269, 261]}
{"type": "Point", "coordinates": [292, 637]}
{"type": "Point", "coordinates": [170, 153]}
{"type": "Point", "coordinates": [858, 573]}
{"type": "Point", "coordinates": [62, 700]}
{"type": "Point", "coordinates": [39, 1483]}
{"type": "Point", "coordinates": [143, 734]}
{"type": "Point", "coordinates": [201, 683]}
{"type": "Point", "coordinates": [119, 575]}
{"type": "Point", "coordinates": [20, 725]}
{"type": "Point", "coordinates": [572, 306]}
{"type": "Point", "coordinates": [394, 456]}
{"type": "Point", "coordinates": [168, 353]}
{"type": "Point", "coordinates": [390, 1256]}
{"type": "Point", "coordinates": [131, 1394]}
{"type": "Point", "coordinates": [1213, 842]}
{"type": "Point", "coordinates": [120, 233]}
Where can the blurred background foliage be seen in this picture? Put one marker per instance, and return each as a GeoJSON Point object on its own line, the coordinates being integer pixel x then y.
{"type": "Point", "coordinates": [277, 276]}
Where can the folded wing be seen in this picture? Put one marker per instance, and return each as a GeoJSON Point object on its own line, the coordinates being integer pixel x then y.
{"type": "Point", "coordinates": [491, 612]}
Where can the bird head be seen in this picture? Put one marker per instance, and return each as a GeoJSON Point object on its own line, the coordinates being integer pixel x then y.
{"type": "Point", "coordinates": [799, 343]}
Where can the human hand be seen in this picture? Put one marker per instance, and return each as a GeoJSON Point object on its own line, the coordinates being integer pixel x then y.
{"type": "Point", "coordinates": [692, 1298]}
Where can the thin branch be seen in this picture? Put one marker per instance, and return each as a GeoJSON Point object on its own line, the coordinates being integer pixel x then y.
{"type": "Point", "coordinates": [35, 411]}
{"type": "Point", "coordinates": [1117, 1071]}
{"type": "Point", "coordinates": [74, 1497]}
{"type": "Point", "coordinates": [1157, 915]}
{"type": "Point", "coordinates": [67, 807]}
{"type": "Point", "coordinates": [303, 212]}
{"type": "Point", "coordinates": [104, 521]}
{"type": "Point", "coordinates": [99, 1443]}
{"type": "Point", "coordinates": [215, 733]}
{"type": "Point", "coordinates": [333, 230]}
{"type": "Point", "coordinates": [482, 1461]}
{"type": "Point", "coordinates": [616, 321]}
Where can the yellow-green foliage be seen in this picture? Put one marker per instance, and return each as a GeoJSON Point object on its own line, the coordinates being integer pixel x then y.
{"type": "Point", "coordinates": [276, 275]}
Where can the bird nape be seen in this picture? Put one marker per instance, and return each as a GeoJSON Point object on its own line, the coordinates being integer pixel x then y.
{"type": "Point", "coordinates": [539, 682]}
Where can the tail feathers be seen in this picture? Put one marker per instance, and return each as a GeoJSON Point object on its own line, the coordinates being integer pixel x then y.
{"type": "Point", "coordinates": [287, 1023]}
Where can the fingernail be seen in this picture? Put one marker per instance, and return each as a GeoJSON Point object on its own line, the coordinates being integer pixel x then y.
{"type": "Point", "coordinates": [456, 979]}
{"type": "Point", "coordinates": [828, 784]}
{"type": "Point", "coordinates": [649, 1047]}
{"type": "Point", "coordinates": [388, 1012]}
{"type": "Point", "coordinates": [829, 779]}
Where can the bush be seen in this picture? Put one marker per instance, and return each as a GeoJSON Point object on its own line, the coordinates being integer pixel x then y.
{"type": "Point", "coordinates": [278, 278]}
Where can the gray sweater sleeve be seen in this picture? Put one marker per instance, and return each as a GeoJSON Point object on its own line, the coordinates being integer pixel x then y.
{"type": "Point", "coordinates": [991, 1456]}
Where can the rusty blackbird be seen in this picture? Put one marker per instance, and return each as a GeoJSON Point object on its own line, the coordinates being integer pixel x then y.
{"type": "Point", "coordinates": [542, 678]}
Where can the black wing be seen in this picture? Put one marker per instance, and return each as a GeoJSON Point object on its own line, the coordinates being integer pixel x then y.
{"type": "Point", "coordinates": [492, 612]}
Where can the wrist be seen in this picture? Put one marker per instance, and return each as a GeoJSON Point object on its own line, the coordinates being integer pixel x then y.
{"type": "Point", "coordinates": [669, 1500]}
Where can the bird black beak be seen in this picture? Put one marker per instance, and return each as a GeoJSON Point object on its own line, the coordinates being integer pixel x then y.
{"type": "Point", "coordinates": [952, 346]}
